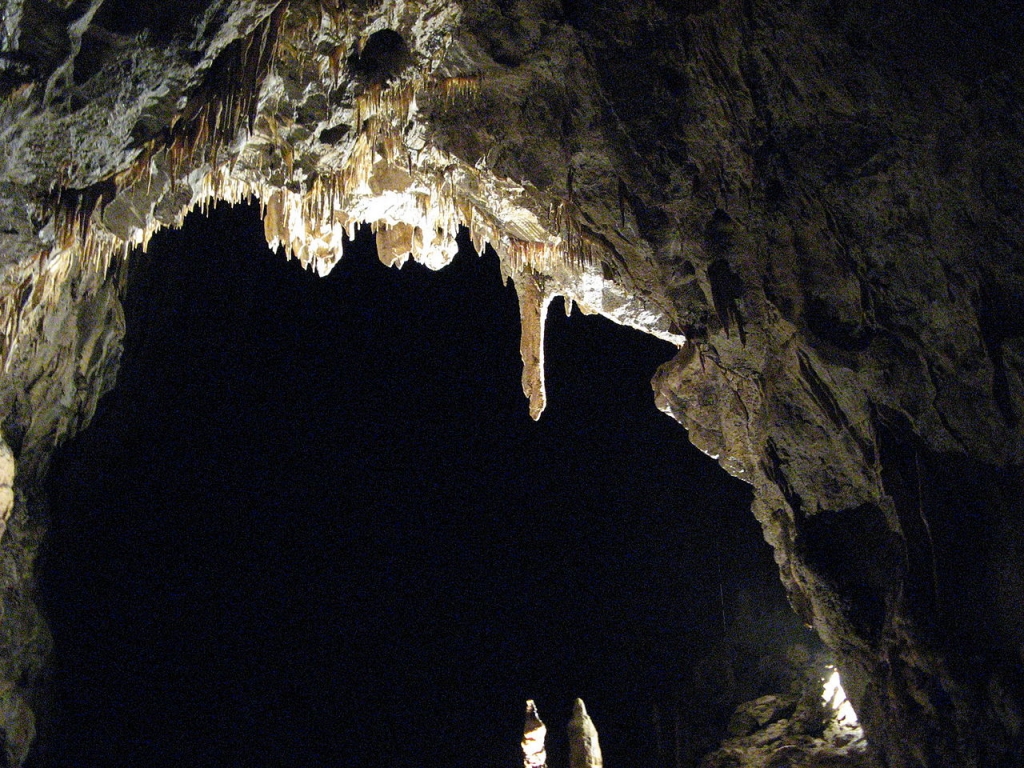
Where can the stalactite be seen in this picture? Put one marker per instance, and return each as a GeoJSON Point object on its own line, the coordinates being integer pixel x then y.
{"type": "Point", "coordinates": [534, 298]}
{"type": "Point", "coordinates": [580, 248]}
{"type": "Point", "coordinates": [8, 467]}
{"type": "Point", "coordinates": [11, 309]}
{"type": "Point", "coordinates": [73, 211]}
{"type": "Point", "coordinates": [226, 101]}
{"type": "Point", "coordinates": [540, 257]}
{"type": "Point", "coordinates": [221, 106]}
{"type": "Point", "coordinates": [418, 216]}
{"type": "Point", "coordinates": [394, 244]}
{"type": "Point", "coordinates": [452, 89]}
{"type": "Point", "coordinates": [481, 230]}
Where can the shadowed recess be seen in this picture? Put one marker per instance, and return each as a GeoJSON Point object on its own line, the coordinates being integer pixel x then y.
{"type": "Point", "coordinates": [314, 524]}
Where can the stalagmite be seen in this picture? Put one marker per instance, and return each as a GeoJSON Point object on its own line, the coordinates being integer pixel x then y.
{"type": "Point", "coordinates": [534, 299]}
{"type": "Point", "coordinates": [534, 732]}
{"type": "Point", "coordinates": [584, 749]}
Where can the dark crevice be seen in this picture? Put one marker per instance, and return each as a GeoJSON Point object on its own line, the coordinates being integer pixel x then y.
{"type": "Point", "coordinates": [162, 21]}
{"type": "Point", "coordinates": [726, 291]}
{"type": "Point", "coordinates": [382, 59]}
{"type": "Point", "coordinates": [998, 322]}
{"type": "Point", "coordinates": [93, 53]}
{"type": "Point", "coordinates": [825, 322]}
{"type": "Point", "coordinates": [946, 506]}
{"type": "Point", "coordinates": [857, 554]}
{"type": "Point", "coordinates": [774, 469]}
{"type": "Point", "coordinates": [335, 134]}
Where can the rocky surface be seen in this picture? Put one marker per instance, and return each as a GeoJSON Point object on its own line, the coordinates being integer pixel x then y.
{"type": "Point", "coordinates": [807, 726]}
{"type": "Point", "coordinates": [784, 742]}
{"type": "Point", "coordinates": [818, 201]}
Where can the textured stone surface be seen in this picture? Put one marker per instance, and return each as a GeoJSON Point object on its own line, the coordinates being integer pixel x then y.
{"type": "Point", "coordinates": [797, 729]}
{"type": "Point", "coordinates": [811, 724]}
{"type": "Point", "coordinates": [584, 744]}
{"type": "Point", "coordinates": [534, 733]}
{"type": "Point", "coordinates": [820, 199]}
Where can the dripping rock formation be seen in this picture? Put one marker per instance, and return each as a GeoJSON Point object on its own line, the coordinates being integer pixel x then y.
{"type": "Point", "coordinates": [818, 202]}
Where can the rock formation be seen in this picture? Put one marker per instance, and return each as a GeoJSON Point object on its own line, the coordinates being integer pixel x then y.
{"type": "Point", "coordinates": [534, 733]}
{"type": "Point", "coordinates": [584, 745]}
{"type": "Point", "coordinates": [809, 725]}
{"type": "Point", "coordinates": [819, 202]}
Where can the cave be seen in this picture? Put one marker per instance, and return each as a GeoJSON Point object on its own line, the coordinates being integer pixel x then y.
{"type": "Point", "coordinates": [815, 204]}
{"type": "Point", "coordinates": [314, 523]}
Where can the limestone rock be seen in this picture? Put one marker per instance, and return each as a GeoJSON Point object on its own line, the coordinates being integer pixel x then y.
{"type": "Point", "coordinates": [810, 729]}
{"type": "Point", "coordinates": [584, 745]}
{"type": "Point", "coordinates": [534, 734]}
{"type": "Point", "coordinates": [818, 203]}
{"type": "Point", "coordinates": [760, 713]}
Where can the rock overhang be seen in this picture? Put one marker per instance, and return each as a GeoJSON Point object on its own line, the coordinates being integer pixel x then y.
{"type": "Point", "coordinates": [252, 124]}
{"type": "Point", "coordinates": [768, 192]}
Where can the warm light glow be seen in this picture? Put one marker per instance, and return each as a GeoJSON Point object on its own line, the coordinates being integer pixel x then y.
{"type": "Point", "coordinates": [835, 697]}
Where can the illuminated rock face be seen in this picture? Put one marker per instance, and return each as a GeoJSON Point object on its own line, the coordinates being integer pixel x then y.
{"type": "Point", "coordinates": [810, 726]}
{"type": "Point", "coordinates": [819, 204]}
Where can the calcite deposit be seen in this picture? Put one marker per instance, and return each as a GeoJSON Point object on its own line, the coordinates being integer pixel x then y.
{"type": "Point", "coordinates": [534, 733]}
{"type": "Point", "coordinates": [584, 744]}
{"type": "Point", "coordinates": [818, 202]}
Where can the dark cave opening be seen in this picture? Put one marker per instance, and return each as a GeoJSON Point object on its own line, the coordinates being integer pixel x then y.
{"type": "Point", "coordinates": [314, 525]}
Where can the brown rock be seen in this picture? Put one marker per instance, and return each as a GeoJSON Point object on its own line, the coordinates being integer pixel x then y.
{"type": "Point", "coordinates": [822, 201]}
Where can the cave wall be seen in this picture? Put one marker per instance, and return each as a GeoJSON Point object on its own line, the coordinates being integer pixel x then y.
{"type": "Point", "coordinates": [827, 198]}
{"type": "Point", "coordinates": [818, 201]}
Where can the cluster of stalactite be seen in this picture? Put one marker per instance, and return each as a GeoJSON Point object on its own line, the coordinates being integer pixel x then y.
{"type": "Point", "coordinates": [414, 198]}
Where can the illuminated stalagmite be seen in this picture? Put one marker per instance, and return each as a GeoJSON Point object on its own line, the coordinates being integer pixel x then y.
{"type": "Point", "coordinates": [534, 734]}
{"type": "Point", "coordinates": [584, 746]}
{"type": "Point", "coordinates": [819, 203]}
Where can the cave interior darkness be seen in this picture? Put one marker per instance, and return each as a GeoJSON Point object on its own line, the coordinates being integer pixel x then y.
{"type": "Point", "coordinates": [314, 525]}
